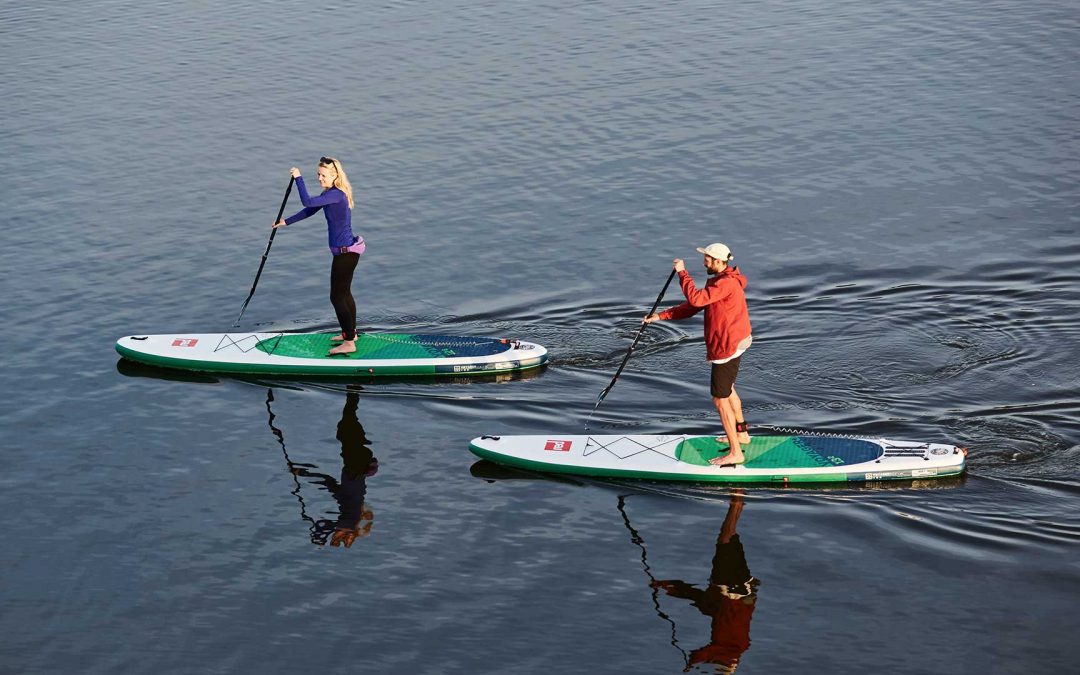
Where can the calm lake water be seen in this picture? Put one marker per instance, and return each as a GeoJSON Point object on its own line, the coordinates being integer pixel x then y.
{"type": "Point", "coordinates": [898, 181]}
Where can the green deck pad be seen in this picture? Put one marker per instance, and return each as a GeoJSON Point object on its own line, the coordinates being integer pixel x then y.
{"type": "Point", "coordinates": [381, 346]}
{"type": "Point", "coordinates": [783, 452]}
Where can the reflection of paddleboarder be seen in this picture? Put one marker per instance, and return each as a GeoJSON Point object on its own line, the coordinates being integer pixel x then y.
{"type": "Point", "coordinates": [355, 517]}
{"type": "Point", "coordinates": [729, 599]}
{"type": "Point", "coordinates": [358, 462]}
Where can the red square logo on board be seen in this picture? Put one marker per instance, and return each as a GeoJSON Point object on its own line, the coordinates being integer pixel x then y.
{"type": "Point", "coordinates": [558, 446]}
{"type": "Point", "coordinates": [185, 342]}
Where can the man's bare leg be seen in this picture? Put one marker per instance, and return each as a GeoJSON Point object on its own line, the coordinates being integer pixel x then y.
{"type": "Point", "coordinates": [736, 405]}
{"type": "Point", "coordinates": [727, 416]}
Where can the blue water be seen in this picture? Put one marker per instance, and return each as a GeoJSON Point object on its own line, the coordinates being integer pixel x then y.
{"type": "Point", "coordinates": [897, 180]}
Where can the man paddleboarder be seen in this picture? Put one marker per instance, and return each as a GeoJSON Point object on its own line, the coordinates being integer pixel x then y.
{"type": "Point", "coordinates": [727, 336]}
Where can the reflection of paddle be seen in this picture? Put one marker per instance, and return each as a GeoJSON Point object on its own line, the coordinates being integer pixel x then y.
{"type": "Point", "coordinates": [630, 351]}
{"type": "Point", "coordinates": [317, 536]}
{"type": "Point", "coordinates": [273, 231]}
{"type": "Point", "coordinates": [653, 583]}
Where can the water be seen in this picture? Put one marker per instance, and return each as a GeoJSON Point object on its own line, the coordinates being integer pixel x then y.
{"type": "Point", "coordinates": [898, 181]}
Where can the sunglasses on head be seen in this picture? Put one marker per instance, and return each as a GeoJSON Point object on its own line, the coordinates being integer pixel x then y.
{"type": "Point", "coordinates": [328, 161]}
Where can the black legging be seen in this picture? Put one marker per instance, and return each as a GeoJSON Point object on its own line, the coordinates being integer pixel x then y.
{"type": "Point", "coordinates": [341, 274]}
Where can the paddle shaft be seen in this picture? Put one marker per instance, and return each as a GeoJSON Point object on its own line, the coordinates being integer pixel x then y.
{"type": "Point", "coordinates": [633, 344]}
{"type": "Point", "coordinates": [266, 253]}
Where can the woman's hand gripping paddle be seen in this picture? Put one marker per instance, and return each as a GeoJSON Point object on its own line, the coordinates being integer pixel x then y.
{"type": "Point", "coordinates": [266, 253]}
{"type": "Point", "coordinates": [641, 331]}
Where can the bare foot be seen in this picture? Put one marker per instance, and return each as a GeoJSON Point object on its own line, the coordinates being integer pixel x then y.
{"type": "Point", "coordinates": [346, 347]}
{"type": "Point", "coordinates": [730, 459]}
{"type": "Point", "coordinates": [338, 338]}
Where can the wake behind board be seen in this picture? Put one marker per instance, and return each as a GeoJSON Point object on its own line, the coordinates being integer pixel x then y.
{"type": "Point", "coordinates": [306, 354]}
{"type": "Point", "coordinates": [808, 459]}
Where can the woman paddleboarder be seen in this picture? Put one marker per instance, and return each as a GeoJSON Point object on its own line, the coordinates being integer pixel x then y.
{"type": "Point", "coordinates": [336, 201]}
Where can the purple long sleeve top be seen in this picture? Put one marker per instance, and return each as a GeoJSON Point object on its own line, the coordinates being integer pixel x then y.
{"type": "Point", "coordinates": [335, 206]}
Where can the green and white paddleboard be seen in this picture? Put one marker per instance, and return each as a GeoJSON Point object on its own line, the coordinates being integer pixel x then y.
{"type": "Point", "coordinates": [306, 354]}
{"type": "Point", "coordinates": [807, 459]}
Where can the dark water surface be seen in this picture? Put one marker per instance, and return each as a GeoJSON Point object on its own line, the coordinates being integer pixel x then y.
{"type": "Point", "coordinates": [898, 180]}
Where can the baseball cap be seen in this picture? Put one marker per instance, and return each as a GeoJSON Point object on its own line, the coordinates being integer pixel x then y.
{"type": "Point", "coordinates": [718, 251]}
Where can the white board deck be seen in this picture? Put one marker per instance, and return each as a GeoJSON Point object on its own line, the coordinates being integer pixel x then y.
{"type": "Point", "coordinates": [307, 353]}
{"type": "Point", "coordinates": [769, 458]}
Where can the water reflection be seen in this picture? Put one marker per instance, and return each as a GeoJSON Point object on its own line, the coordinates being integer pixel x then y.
{"type": "Point", "coordinates": [330, 382]}
{"type": "Point", "coordinates": [728, 599]}
{"type": "Point", "coordinates": [355, 517]}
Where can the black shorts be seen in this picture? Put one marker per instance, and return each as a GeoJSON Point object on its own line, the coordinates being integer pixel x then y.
{"type": "Point", "coordinates": [723, 377]}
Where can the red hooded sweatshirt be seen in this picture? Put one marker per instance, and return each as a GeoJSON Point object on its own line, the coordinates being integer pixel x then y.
{"type": "Point", "coordinates": [727, 321]}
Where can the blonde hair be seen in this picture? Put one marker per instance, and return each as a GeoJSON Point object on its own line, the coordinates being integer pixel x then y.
{"type": "Point", "coordinates": [341, 181]}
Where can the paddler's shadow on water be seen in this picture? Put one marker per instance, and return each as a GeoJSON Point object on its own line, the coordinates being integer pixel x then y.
{"type": "Point", "coordinates": [728, 599]}
{"type": "Point", "coordinates": [355, 517]}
